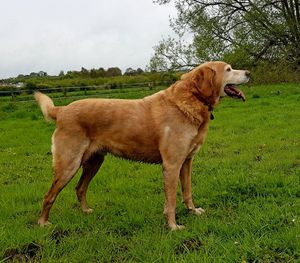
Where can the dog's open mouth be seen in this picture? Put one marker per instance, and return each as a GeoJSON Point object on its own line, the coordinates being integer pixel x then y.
{"type": "Point", "coordinates": [234, 92]}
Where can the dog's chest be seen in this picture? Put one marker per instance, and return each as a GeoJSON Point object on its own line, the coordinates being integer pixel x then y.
{"type": "Point", "coordinates": [198, 141]}
{"type": "Point", "coordinates": [195, 148]}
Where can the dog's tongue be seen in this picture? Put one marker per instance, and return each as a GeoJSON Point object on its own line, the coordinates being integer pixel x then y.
{"type": "Point", "coordinates": [234, 92]}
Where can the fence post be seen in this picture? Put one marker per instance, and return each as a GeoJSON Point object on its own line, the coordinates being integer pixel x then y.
{"type": "Point", "coordinates": [13, 97]}
{"type": "Point", "coordinates": [65, 92]}
{"type": "Point", "coordinates": [150, 85]}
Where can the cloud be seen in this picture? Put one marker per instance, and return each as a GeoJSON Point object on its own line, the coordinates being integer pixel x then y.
{"type": "Point", "coordinates": [54, 35]}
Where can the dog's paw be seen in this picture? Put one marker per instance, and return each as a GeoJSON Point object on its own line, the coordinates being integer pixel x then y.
{"type": "Point", "coordinates": [176, 227]}
{"type": "Point", "coordinates": [87, 210]}
{"type": "Point", "coordinates": [198, 211]}
{"type": "Point", "coordinates": [43, 223]}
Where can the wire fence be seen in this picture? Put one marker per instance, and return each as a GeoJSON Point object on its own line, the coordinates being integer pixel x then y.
{"type": "Point", "coordinates": [23, 95]}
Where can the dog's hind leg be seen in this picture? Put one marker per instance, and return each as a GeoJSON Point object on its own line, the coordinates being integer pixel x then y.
{"type": "Point", "coordinates": [185, 178]}
{"type": "Point", "coordinates": [90, 168]}
{"type": "Point", "coordinates": [67, 156]}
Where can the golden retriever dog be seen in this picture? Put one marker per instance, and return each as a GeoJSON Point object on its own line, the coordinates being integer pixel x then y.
{"type": "Point", "coordinates": [166, 128]}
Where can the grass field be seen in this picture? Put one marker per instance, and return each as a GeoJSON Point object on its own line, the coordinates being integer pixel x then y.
{"type": "Point", "coordinates": [246, 177]}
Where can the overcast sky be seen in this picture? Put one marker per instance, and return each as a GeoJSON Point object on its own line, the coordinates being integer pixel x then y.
{"type": "Point", "coordinates": [54, 35]}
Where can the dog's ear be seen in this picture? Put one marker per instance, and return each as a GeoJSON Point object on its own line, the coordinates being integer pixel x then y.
{"type": "Point", "coordinates": [203, 80]}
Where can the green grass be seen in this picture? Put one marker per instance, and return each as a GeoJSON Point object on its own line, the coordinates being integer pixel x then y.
{"type": "Point", "coordinates": [246, 176]}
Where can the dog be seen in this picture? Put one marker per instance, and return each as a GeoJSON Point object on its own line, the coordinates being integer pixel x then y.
{"type": "Point", "coordinates": [165, 128]}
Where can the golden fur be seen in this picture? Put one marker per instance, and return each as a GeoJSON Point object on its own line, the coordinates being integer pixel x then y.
{"type": "Point", "coordinates": [167, 127]}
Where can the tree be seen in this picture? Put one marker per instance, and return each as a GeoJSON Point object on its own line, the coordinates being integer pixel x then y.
{"type": "Point", "coordinates": [61, 74]}
{"type": "Point", "coordinates": [129, 72]}
{"type": "Point", "coordinates": [172, 54]}
{"type": "Point", "coordinates": [113, 72]}
{"type": "Point", "coordinates": [93, 73]}
{"type": "Point", "coordinates": [241, 31]}
{"type": "Point", "coordinates": [133, 72]}
{"type": "Point", "coordinates": [139, 71]}
{"type": "Point", "coordinates": [101, 72]}
{"type": "Point", "coordinates": [84, 72]}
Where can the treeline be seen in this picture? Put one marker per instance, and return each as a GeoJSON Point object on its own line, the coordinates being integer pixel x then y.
{"type": "Point", "coordinates": [84, 73]}
{"type": "Point", "coordinates": [112, 77]}
{"type": "Point", "coordinates": [93, 73]}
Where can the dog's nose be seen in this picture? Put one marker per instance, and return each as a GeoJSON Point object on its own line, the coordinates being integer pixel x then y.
{"type": "Point", "coordinates": [247, 73]}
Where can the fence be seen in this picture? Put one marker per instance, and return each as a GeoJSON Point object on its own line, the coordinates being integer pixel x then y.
{"type": "Point", "coordinates": [26, 94]}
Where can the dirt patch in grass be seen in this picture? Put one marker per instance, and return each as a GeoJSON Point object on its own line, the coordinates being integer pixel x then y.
{"type": "Point", "coordinates": [59, 234]}
{"type": "Point", "coordinates": [28, 252]}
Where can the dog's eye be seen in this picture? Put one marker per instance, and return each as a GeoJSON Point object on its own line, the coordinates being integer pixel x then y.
{"type": "Point", "coordinates": [228, 69]}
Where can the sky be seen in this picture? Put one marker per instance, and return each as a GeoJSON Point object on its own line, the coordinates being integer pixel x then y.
{"type": "Point", "coordinates": [55, 35]}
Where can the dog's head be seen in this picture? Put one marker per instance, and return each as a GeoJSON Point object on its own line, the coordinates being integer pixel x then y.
{"type": "Point", "coordinates": [213, 80]}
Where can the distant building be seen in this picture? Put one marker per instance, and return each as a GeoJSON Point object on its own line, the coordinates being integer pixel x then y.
{"type": "Point", "coordinates": [19, 85]}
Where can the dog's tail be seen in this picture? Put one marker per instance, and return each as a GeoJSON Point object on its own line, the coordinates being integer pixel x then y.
{"type": "Point", "coordinates": [48, 109]}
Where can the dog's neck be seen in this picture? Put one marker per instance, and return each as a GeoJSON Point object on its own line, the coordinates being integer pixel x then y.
{"type": "Point", "coordinates": [197, 111]}
{"type": "Point", "coordinates": [206, 102]}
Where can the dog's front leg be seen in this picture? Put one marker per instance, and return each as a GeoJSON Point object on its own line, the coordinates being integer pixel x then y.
{"type": "Point", "coordinates": [171, 177]}
{"type": "Point", "coordinates": [186, 186]}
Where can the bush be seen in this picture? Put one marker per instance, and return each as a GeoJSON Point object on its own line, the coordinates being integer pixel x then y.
{"type": "Point", "coordinates": [266, 73]}
{"type": "Point", "coordinates": [31, 85]}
